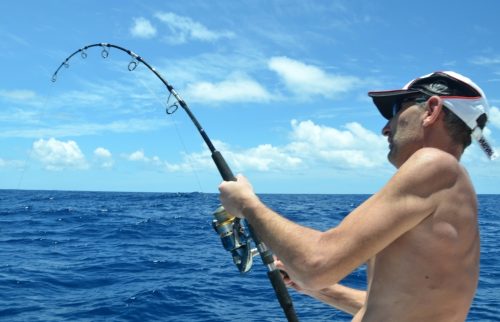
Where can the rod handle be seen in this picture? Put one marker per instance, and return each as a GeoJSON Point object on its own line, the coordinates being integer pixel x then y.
{"type": "Point", "coordinates": [282, 294]}
{"type": "Point", "coordinates": [224, 170]}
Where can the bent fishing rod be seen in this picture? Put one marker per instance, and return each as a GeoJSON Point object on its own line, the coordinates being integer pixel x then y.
{"type": "Point", "coordinates": [235, 233]}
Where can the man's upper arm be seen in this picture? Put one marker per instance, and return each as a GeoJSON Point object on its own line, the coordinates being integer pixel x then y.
{"type": "Point", "coordinates": [410, 196]}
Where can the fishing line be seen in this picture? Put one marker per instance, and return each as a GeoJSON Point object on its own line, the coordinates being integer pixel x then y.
{"type": "Point", "coordinates": [29, 156]}
{"type": "Point", "coordinates": [25, 167]}
{"type": "Point", "coordinates": [177, 130]}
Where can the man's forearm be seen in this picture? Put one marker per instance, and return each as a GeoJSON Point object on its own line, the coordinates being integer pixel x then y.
{"type": "Point", "coordinates": [313, 258]}
{"type": "Point", "coordinates": [344, 298]}
{"type": "Point", "coordinates": [293, 244]}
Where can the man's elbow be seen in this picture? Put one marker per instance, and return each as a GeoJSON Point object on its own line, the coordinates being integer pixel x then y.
{"type": "Point", "coordinates": [315, 273]}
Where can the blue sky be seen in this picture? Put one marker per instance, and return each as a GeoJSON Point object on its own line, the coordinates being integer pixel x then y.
{"type": "Point", "coordinates": [279, 86]}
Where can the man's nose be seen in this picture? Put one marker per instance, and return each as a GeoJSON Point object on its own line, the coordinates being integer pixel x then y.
{"type": "Point", "coordinates": [386, 130]}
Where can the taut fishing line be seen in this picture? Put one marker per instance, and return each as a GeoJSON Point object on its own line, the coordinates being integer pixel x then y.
{"type": "Point", "coordinates": [25, 165]}
{"type": "Point", "coordinates": [168, 108]}
{"type": "Point", "coordinates": [236, 235]}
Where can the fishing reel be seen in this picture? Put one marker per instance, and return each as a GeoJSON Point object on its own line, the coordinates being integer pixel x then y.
{"type": "Point", "coordinates": [235, 236]}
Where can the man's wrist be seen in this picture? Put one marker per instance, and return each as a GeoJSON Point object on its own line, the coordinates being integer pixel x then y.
{"type": "Point", "coordinates": [251, 206]}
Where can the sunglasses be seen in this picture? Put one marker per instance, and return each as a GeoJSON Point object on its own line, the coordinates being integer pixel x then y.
{"type": "Point", "coordinates": [398, 105]}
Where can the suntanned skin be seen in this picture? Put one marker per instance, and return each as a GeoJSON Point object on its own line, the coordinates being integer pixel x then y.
{"type": "Point", "coordinates": [418, 234]}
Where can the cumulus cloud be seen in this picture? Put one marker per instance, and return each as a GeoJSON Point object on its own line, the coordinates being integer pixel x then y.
{"type": "Point", "coordinates": [311, 145]}
{"type": "Point", "coordinates": [102, 153]}
{"type": "Point", "coordinates": [104, 157]}
{"type": "Point", "coordinates": [351, 147]}
{"type": "Point", "coordinates": [237, 88]}
{"type": "Point", "coordinates": [139, 156]}
{"type": "Point", "coordinates": [184, 29]}
{"type": "Point", "coordinates": [142, 28]}
{"type": "Point", "coordinates": [307, 80]}
{"type": "Point", "coordinates": [190, 162]}
{"type": "Point", "coordinates": [58, 155]}
{"type": "Point", "coordinates": [494, 117]}
{"type": "Point", "coordinates": [266, 157]}
{"type": "Point", "coordinates": [261, 158]}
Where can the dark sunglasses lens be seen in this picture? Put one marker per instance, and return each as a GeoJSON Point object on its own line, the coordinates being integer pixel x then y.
{"type": "Point", "coordinates": [396, 107]}
{"type": "Point", "coordinates": [421, 99]}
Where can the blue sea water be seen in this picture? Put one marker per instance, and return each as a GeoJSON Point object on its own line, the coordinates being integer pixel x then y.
{"type": "Point", "coordinates": [102, 256]}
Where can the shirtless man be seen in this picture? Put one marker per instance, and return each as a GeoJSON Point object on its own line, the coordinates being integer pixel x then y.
{"type": "Point", "coordinates": [418, 234]}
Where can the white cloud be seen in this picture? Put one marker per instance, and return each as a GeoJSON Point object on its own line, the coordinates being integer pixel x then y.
{"type": "Point", "coordinates": [307, 80]}
{"type": "Point", "coordinates": [184, 29]}
{"type": "Point", "coordinates": [142, 28]}
{"type": "Point", "coordinates": [20, 116]}
{"type": "Point", "coordinates": [83, 97]}
{"type": "Point", "coordinates": [79, 129]}
{"type": "Point", "coordinates": [58, 155]}
{"type": "Point", "coordinates": [486, 61]}
{"type": "Point", "coordinates": [237, 88]}
{"type": "Point", "coordinates": [352, 147]}
{"type": "Point", "coordinates": [311, 145]}
{"type": "Point", "coordinates": [16, 39]}
{"type": "Point", "coordinates": [18, 95]}
{"type": "Point", "coordinates": [494, 116]}
{"type": "Point", "coordinates": [265, 157]}
{"type": "Point", "coordinates": [191, 162]}
{"type": "Point", "coordinates": [137, 156]}
{"type": "Point", "coordinates": [262, 158]}
{"type": "Point", "coordinates": [11, 163]}
{"type": "Point", "coordinates": [102, 153]}
{"type": "Point", "coordinates": [104, 157]}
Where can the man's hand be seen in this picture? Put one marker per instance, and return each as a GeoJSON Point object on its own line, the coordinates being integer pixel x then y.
{"type": "Point", "coordinates": [343, 298]}
{"type": "Point", "coordinates": [286, 278]}
{"type": "Point", "coordinates": [236, 195]}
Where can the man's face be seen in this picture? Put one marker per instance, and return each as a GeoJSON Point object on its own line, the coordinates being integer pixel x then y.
{"type": "Point", "coordinates": [404, 132]}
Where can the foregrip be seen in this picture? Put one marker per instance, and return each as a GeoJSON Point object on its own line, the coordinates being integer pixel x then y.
{"type": "Point", "coordinates": [222, 166]}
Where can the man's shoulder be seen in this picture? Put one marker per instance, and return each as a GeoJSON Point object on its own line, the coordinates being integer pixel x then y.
{"type": "Point", "coordinates": [431, 169]}
{"type": "Point", "coordinates": [433, 160]}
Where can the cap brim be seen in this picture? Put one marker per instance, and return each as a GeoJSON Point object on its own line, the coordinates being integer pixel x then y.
{"type": "Point", "coordinates": [385, 100]}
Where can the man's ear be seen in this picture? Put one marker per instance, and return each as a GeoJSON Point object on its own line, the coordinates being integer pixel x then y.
{"type": "Point", "coordinates": [433, 108]}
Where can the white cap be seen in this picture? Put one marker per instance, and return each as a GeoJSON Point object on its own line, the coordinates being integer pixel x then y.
{"type": "Point", "coordinates": [460, 95]}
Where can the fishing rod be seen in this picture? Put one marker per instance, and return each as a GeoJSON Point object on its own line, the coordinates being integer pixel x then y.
{"type": "Point", "coordinates": [235, 233]}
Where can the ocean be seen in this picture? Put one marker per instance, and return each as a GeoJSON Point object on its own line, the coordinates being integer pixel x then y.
{"type": "Point", "coordinates": [112, 256]}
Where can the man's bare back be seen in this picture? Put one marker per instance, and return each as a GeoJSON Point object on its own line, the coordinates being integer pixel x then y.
{"type": "Point", "coordinates": [430, 273]}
